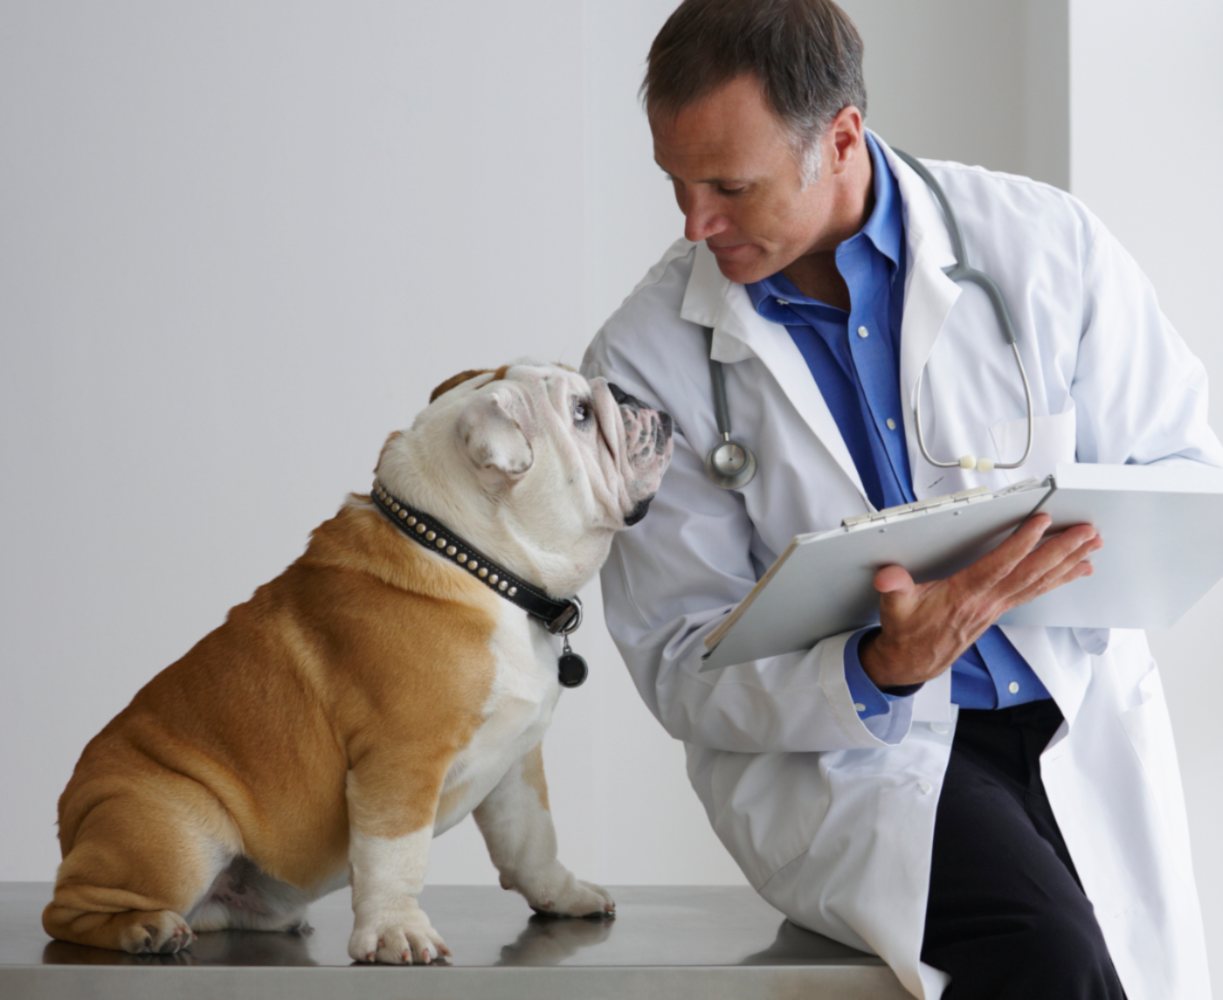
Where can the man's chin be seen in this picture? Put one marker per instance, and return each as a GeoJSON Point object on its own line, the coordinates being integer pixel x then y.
{"type": "Point", "coordinates": [743, 272]}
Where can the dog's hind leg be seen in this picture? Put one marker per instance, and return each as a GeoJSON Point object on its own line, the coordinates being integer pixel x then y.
{"type": "Point", "coordinates": [244, 897]}
{"type": "Point", "coordinates": [133, 864]}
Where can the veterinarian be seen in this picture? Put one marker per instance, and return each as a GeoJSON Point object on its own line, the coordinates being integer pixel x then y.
{"type": "Point", "coordinates": [992, 807]}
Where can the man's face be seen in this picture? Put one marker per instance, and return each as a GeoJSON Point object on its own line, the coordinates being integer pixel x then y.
{"type": "Point", "coordinates": [739, 183]}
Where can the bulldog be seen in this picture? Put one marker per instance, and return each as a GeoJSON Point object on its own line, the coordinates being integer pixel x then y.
{"type": "Point", "coordinates": [396, 677]}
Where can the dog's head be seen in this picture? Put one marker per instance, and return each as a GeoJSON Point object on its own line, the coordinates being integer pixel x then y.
{"type": "Point", "coordinates": [534, 464]}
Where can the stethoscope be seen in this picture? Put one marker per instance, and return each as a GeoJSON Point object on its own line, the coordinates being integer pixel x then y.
{"type": "Point", "coordinates": [731, 464]}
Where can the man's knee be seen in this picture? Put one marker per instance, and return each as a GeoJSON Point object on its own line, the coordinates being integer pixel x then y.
{"type": "Point", "coordinates": [1060, 953]}
{"type": "Point", "coordinates": [1067, 951]}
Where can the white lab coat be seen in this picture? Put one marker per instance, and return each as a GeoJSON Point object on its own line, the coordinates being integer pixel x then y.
{"type": "Point", "coordinates": [831, 817]}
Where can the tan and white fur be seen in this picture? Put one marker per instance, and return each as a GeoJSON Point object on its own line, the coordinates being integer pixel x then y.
{"type": "Point", "coordinates": [369, 697]}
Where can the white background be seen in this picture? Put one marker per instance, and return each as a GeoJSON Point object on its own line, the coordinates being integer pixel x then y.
{"type": "Point", "coordinates": [239, 244]}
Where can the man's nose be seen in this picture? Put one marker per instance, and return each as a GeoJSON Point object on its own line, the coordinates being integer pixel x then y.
{"type": "Point", "coordinates": [702, 218]}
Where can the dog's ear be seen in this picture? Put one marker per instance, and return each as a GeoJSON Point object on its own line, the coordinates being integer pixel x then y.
{"type": "Point", "coordinates": [461, 377]}
{"type": "Point", "coordinates": [494, 437]}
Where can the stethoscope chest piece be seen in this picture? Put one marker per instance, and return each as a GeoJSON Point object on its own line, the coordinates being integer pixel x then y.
{"type": "Point", "coordinates": [730, 465]}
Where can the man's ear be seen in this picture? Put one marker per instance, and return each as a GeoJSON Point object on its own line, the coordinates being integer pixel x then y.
{"type": "Point", "coordinates": [494, 440]}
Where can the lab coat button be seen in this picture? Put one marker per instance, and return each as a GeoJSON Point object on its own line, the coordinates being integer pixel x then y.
{"type": "Point", "coordinates": [925, 787]}
{"type": "Point", "coordinates": [863, 332]}
{"type": "Point", "coordinates": [1013, 687]}
{"type": "Point", "coordinates": [859, 707]}
{"type": "Point", "coordinates": [941, 728]}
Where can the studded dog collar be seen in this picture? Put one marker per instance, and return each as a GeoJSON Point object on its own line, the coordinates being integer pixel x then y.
{"type": "Point", "coordinates": [558, 617]}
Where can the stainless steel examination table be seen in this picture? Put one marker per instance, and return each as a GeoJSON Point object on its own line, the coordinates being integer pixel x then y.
{"type": "Point", "coordinates": [666, 941]}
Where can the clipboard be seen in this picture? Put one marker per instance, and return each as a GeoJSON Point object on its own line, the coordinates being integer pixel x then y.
{"type": "Point", "coordinates": [1162, 527]}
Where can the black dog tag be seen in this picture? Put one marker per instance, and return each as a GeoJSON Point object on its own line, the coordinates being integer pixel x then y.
{"type": "Point", "coordinates": [571, 667]}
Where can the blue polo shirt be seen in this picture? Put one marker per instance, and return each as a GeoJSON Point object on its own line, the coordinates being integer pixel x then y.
{"type": "Point", "coordinates": [854, 358]}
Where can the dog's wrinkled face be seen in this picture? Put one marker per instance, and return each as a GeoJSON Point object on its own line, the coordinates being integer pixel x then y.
{"type": "Point", "coordinates": [559, 462]}
{"type": "Point", "coordinates": [569, 432]}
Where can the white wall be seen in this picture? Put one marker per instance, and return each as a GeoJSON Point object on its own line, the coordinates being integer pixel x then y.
{"type": "Point", "coordinates": [241, 242]}
{"type": "Point", "coordinates": [1146, 142]}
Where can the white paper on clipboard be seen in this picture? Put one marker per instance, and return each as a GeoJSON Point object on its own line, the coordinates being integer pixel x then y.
{"type": "Point", "coordinates": [1162, 527]}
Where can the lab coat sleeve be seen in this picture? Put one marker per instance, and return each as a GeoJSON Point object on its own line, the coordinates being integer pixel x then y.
{"type": "Point", "coordinates": [1140, 394]}
{"type": "Point", "coordinates": [671, 578]}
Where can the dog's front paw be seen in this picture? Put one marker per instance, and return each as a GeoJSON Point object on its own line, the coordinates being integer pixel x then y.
{"type": "Point", "coordinates": [401, 937]}
{"type": "Point", "coordinates": [567, 896]}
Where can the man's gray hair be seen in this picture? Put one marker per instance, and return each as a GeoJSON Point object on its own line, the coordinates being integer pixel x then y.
{"type": "Point", "coordinates": [807, 55]}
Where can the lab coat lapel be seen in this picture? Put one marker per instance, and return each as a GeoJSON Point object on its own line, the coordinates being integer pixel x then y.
{"type": "Point", "coordinates": [929, 296]}
{"type": "Point", "coordinates": [739, 333]}
{"type": "Point", "coordinates": [929, 293]}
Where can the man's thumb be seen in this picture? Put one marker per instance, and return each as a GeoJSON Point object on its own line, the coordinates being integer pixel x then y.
{"type": "Point", "coordinates": [893, 580]}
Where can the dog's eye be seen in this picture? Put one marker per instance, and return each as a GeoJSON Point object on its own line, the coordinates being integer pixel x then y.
{"type": "Point", "coordinates": [582, 411]}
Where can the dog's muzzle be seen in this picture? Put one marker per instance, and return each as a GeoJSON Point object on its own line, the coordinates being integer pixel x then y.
{"type": "Point", "coordinates": [663, 424]}
{"type": "Point", "coordinates": [649, 431]}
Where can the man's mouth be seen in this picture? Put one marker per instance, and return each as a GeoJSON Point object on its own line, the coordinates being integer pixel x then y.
{"type": "Point", "coordinates": [729, 251]}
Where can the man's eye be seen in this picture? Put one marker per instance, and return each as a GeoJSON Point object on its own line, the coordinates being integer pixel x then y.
{"type": "Point", "coordinates": [728, 190]}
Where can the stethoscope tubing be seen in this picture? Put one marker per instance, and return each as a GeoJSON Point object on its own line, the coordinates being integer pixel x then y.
{"type": "Point", "coordinates": [958, 272]}
{"type": "Point", "coordinates": [729, 464]}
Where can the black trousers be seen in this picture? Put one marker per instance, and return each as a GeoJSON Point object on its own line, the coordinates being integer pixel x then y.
{"type": "Point", "coordinates": [1007, 917]}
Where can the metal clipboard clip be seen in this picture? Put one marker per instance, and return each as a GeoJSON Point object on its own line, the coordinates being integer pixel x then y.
{"type": "Point", "coordinates": [974, 495]}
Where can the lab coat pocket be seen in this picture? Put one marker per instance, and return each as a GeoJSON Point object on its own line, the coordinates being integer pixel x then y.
{"type": "Point", "coordinates": [1149, 730]}
{"type": "Point", "coordinates": [1053, 441]}
{"type": "Point", "coordinates": [1146, 723]}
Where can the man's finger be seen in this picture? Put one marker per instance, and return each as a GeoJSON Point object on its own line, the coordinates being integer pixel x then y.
{"type": "Point", "coordinates": [1049, 563]}
{"type": "Point", "coordinates": [1077, 565]}
{"type": "Point", "coordinates": [990, 569]}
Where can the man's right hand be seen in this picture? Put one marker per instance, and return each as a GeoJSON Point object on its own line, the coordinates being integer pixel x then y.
{"type": "Point", "coordinates": [925, 627]}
